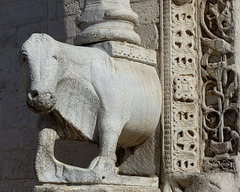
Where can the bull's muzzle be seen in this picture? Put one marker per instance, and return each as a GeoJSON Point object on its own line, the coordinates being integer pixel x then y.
{"type": "Point", "coordinates": [40, 102]}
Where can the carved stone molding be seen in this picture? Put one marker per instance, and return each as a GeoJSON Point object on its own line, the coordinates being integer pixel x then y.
{"type": "Point", "coordinates": [201, 95]}
{"type": "Point", "coordinates": [129, 51]}
{"type": "Point", "coordinates": [181, 112]}
{"type": "Point", "coordinates": [185, 138]}
{"type": "Point", "coordinates": [220, 99]}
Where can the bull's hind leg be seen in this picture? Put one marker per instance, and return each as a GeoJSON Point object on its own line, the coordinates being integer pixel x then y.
{"type": "Point", "coordinates": [109, 132]}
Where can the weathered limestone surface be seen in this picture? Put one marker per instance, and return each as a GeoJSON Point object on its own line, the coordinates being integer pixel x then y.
{"type": "Point", "coordinates": [18, 135]}
{"type": "Point", "coordinates": [107, 20]}
{"type": "Point", "coordinates": [201, 101]}
{"type": "Point", "coordinates": [199, 59]}
{"type": "Point", "coordinates": [107, 93]}
{"type": "Point", "coordinates": [211, 182]}
{"type": "Point", "coordinates": [94, 188]}
{"type": "Point", "coordinates": [66, 83]}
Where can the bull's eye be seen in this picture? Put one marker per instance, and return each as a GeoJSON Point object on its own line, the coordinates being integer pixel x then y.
{"type": "Point", "coordinates": [23, 58]}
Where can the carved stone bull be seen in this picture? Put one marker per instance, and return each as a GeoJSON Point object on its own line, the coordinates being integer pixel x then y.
{"type": "Point", "coordinates": [84, 94]}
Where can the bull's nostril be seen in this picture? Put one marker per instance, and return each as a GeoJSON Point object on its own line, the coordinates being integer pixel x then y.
{"type": "Point", "coordinates": [34, 94]}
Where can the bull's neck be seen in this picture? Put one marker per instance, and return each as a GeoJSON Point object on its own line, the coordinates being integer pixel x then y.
{"type": "Point", "coordinates": [78, 60]}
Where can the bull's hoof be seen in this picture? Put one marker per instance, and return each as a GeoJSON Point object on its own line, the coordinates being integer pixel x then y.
{"type": "Point", "coordinates": [103, 164]}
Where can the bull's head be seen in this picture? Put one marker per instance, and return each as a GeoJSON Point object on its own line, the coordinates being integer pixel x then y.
{"type": "Point", "coordinates": [41, 67]}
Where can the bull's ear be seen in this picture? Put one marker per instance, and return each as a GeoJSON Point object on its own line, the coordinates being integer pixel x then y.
{"type": "Point", "coordinates": [78, 104]}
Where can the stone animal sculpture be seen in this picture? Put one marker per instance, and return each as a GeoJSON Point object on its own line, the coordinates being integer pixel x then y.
{"type": "Point", "coordinates": [84, 94]}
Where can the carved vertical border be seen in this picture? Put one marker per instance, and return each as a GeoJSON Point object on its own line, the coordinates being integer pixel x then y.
{"type": "Point", "coordinates": [181, 88]}
{"type": "Point", "coordinates": [185, 87]}
{"type": "Point", "coordinates": [220, 79]}
{"type": "Point", "coordinates": [198, 41]}
{"type": "Point", "coordinates": [167, 87]}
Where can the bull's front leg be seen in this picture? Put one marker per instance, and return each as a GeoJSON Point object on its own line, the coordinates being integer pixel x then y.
{"type": "Point", "coordinates": [110, 129]}
{"type": "Point", "coordinates": [45, 162]}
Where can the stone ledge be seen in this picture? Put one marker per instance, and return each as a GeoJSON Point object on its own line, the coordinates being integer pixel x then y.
{"type": "Point", "coordinates": [129, 51]}
{"type": "Point", "coordinates": [94, 188]}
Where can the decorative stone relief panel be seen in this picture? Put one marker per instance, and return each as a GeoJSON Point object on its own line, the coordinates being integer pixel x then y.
{"type": "Point", "coordinates": [184, 88]}
{"type": "Point", "coordinates": [220, 86]}
{"type": "Point", "coordinates": [182, 69]}
{"type": "Point", "coordinates": [185, 137]}
{"type": "Point", "coordinates": [167, 86]}
{"type": "Point", "coordinates": [201, 95]}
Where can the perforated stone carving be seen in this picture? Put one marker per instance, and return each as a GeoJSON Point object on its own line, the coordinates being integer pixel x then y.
{"type": "Point", "coordinates": [183, 84]}
{"type": "Point", "coordinates": [201, 134]}
{"type": "Point", "coordinates": [218, 19]}
{"type": "Point", "coordinates": [184, 88]}
{"type": "Point", "coordinates": [225, 164]}
{"type": "Point", "coordinates": [185, 138]}
{"type": "Point", "coordinates": [220, 87]}
{"type": "Point", "coordinates": [182, 62]}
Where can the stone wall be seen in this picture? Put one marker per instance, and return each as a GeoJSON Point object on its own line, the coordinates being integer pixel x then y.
{"type": "Point", "coordinates": [18, 135]}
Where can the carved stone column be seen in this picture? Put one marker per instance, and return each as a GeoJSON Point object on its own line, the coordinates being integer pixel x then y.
{"type": "Point", "coordinates": [104, 20]}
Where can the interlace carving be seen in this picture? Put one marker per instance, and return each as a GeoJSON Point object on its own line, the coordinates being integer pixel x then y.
{"type": "Point", "coordinates": [227, 165]}
{"type": "Point", "coordinates": [220, 102]}
{"type": "Point", "coordinates": [184, 88]}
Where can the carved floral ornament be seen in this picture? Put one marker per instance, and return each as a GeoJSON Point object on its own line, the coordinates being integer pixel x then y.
{"type": "Point", "coordinates": [184, 88]}
{"type": "Point", "coordinates": [220, 100]}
